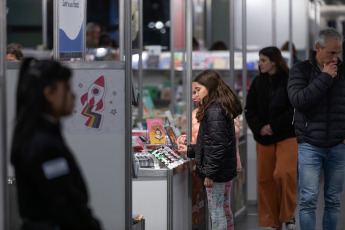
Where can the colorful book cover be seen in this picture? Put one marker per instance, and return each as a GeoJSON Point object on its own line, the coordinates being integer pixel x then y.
{"type": "Point", "coordinates": [172, 137]}
{"type": "Point", "coordinates": [218, 60]}
{"type": "Point", "coordinates": [199, 60]}
{"type": "Point", "coordinates": [148, 105]}
{"type": "Point", "coordinates": [156, 131]}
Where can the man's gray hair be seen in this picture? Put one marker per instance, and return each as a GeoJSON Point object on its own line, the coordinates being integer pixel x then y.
{"type": "Point", "coordinates": [328, 33]}
{"type": "Point", "coordinates": [90, 27]}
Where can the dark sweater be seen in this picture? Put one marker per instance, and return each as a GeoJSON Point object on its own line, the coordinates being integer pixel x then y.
{"type": "Point", "coordinates": [268, 103]}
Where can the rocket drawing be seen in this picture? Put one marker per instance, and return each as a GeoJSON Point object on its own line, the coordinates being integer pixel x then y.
{"type": "Point", "coordinates": [95, 94]}
{"type": "Point", "coordinates": [93, 101]}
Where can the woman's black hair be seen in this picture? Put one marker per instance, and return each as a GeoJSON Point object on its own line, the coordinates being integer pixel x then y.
{"type": "Point", "coordinates": [31, 104]}
{"type": "Point", "coordinates": [16, 50]}
{"type": "Point", "coordinates": [274, 54]}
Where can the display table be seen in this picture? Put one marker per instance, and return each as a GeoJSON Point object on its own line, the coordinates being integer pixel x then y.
{"type": "Point", "coordinates": [161, 195]}
{"type": "Point", "coordinates": [139, 226]}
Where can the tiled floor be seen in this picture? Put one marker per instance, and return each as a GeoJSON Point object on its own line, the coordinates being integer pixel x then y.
{"type": "Point", "coordinates": [250, 221]}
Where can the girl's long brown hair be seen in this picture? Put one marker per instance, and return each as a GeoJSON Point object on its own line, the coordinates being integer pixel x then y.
{"type": "Point", "coordinates": [218, 92]}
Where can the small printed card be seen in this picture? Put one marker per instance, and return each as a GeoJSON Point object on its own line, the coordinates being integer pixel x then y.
{"type": "Point", "coordinates": [156, 131]}
{"type": "Point", "coordinates": [172, 137]}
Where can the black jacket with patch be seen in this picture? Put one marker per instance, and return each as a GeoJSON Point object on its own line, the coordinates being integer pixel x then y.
{"type": "Point", "coordinates": [50, 186]}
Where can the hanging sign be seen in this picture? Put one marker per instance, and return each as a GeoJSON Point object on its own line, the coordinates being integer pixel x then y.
{"type": "Point", "coordinates": [71, 28]}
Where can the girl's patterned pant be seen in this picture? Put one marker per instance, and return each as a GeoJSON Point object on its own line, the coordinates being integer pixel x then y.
{"type": "Point", "coordinates": [218, 199]}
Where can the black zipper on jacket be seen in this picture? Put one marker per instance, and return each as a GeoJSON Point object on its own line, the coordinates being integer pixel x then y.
{"type": "Point", "coordinates": [328, 112]}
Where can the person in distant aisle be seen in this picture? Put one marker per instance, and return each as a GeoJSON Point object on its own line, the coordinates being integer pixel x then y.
{"type": "Point", "coordinates": [105, 40]}
{"type": "Point", "coordinates": [219, 45]}
{"type": "Point", "coordinates": [215, 148]}
{"type": "Point", "coordinates": [269, 114]}
{"type": "Point", "coordinates": [51, 190]}
{"type": "Point", "coordinates": [317, 91]}
{"type": "Point", "coordinates": [93, 32]}
{"type": "Point", "coordinates": [14, 52]}
{"type": "Point", "coordinates": [195, 129]}
{"type": "Point", "coordinates": [196, 45]}
{"type": "Point", "coordinates": [285, 47]}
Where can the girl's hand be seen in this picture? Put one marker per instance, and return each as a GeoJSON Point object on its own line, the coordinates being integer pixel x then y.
{"type": "Point", "coordinates": [182, 149]}
{"type": "Point", "coordinates": [182, 140]}
{"type": "Point", "coordinates": [239, 166]}
{"type": "Point", "coordinates": [208, 182]}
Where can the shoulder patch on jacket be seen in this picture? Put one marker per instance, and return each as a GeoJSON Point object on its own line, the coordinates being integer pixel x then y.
{"type": "Point", "coordinates": [55, 168]}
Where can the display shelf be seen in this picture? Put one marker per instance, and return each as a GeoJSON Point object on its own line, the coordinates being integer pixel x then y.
{"type": "Point", "coordinates": [139, 226]}
{"type": "Point", "coordinates": [157, 181]}
{"type": "Point", "coordinates": [217, 60]}
{"type": "Point", "coordinates": [160, 192]}
{"type": "Point", "coordinates": [162, 172]}
{"type": "Point", "coordinates": [162, 197]}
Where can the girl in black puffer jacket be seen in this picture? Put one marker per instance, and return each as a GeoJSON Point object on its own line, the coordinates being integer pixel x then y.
{"type": "Point", "coordinates": [215, 149]}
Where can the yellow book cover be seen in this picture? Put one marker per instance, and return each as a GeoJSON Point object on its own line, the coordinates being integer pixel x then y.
{"type": "Point", "coordinates": [156, 131]}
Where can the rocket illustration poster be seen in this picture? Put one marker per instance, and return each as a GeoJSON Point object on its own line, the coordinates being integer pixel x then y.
{"type": "Point", "coordinates": [71, 24]}
{"type": "Point", "coordinates": [156, 131]}
{"type": "Point", "coordinates": [99, 104]}
{"type": "Point", "coordinates": [93, 102]}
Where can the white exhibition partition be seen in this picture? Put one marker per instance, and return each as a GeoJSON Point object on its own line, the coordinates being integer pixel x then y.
{"type": "Point", "coordinates": [96, 138]}
{"type": "Point", "coordinates": [3, 159]}
{"type": "Point", "coordinates": [12, 71]}
{"type": "Point", "coordinates": [150, 199]}
{"type": "Point", "coordinates": [259, 23]}
{"type": "Point", "coordinates": [101, 150]}
{"type": "Point", "coordinates": [11, 87]}
{"type": "Point", "coordinates": [162, 197]}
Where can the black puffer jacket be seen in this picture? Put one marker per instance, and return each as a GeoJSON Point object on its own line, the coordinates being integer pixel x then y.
{"type": "Point", "coordinates": [319, 101]}
{"type": "Point", "coordinates": [268, 103]}
{"type": "Point", "coordinates": [215, 148]}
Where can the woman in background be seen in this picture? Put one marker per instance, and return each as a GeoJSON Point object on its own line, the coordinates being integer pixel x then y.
{"type": "Point", "coordinates": [14, 52]}
{"type": "Point", "coordinates": [269, 114]}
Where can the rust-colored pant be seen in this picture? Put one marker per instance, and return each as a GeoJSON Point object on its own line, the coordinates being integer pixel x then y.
{"type": "Point", "coordinates": [277, 181]}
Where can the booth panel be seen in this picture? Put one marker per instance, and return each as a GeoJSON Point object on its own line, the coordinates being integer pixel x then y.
{"type": "Point", "coordinates": [96, 135]}
{"type": "Point", "coordinates": [252, 168]}
{"type": "Point", "coordinates": [150, 199]}
{"type": "Point", "coordinates": [11, 88]}
{"type": "Point", "coordinates": [100, 161]}
{"type": "Point", "coordinates": [180, 200]}
{"type": "Point", "coordinates": [98, 145]}
{"type": "Point", "coordinates": [239, 183]}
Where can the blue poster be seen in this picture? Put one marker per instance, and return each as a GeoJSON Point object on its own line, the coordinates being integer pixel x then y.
{"type": "Point", "coordinates": [71, 33]}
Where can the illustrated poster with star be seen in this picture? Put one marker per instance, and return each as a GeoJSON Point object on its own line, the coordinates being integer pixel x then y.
{"type": "Point", "coordinates": [99, 103]}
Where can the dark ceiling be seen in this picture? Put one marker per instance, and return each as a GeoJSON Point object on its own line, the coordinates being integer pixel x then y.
{"type": "Point", "coordinates": [334, 2]}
